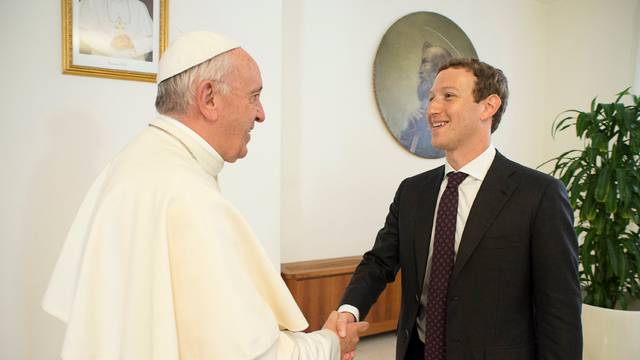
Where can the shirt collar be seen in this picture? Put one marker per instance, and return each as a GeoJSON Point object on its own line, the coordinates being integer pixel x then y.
{"type": "Point", "coordinates": [204, 153]}
{"type": "Point", "coordinates": [478, 167]}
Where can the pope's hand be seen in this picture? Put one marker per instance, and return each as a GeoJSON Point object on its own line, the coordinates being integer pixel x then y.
{"type": "Point", "coordinates": [122, 42]}
{"type": "Point", "coordinates": [351, 331]}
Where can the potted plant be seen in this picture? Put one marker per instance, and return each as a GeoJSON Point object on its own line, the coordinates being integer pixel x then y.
{"type": "Point", "coordinates": [603, 184]}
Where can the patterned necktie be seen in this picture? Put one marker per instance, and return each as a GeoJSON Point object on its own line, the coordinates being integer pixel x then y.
{"type": "Point", "coordinates": [441, 268]}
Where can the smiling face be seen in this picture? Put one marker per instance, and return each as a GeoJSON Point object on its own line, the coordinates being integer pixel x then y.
{"type": "Point", "coordinates": [239, 108]}
{"type": "Point", "coordinates": [460, 125]}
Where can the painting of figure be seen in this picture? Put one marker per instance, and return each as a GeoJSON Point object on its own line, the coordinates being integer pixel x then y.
{"type": "Point", "coordinates": [408, 58]}
{"type": "Point", "coordinates": [116, 28]}
{"type": "Point", "coordinates": [118, 39]}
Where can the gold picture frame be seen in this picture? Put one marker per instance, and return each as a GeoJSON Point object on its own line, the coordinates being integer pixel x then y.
{"type": "Point", "coordinates": [90, 29]}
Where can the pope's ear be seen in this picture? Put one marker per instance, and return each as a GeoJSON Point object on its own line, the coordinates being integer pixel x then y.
{"type": "Point", "coordinates": [206, 100]}
{"type": "Point", "coordinates": [490, 106]}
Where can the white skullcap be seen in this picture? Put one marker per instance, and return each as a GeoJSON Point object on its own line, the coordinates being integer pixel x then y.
{"type": "Point", "coordinates": [191, 49]}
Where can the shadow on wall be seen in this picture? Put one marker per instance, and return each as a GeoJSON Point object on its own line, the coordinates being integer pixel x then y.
{"type": "Point", "coordinates": [72, 155]}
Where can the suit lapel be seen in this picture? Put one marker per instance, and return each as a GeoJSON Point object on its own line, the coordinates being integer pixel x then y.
{"type": "Point", "coordinates": [423, 222]}
{"type": "Point", "coordinates": [494, 192]}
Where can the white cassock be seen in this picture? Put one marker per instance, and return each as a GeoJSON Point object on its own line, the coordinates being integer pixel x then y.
{"type": "Point", "coordinates": [101, 21]}
{"type": "Point", "coordinates": [159, 265]}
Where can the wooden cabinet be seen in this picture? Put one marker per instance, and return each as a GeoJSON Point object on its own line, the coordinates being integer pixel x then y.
{"type": "Point", "coordinates": [318, 286]}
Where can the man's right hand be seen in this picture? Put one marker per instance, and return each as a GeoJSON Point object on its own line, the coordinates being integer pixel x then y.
{"type": "Point", "coordinates": [344, 318]}
{"type": "Point", "coordinates": [343, 324]}
{"type": "Point", "coordinates": [351, 331]}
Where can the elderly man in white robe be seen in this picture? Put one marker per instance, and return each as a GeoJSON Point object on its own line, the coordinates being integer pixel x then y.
{"type": "Point", "coordinates": [158, 264]}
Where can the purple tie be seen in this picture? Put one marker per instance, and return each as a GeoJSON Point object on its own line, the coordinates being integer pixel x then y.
{"type": "Point", "coordinates": [441, 268]}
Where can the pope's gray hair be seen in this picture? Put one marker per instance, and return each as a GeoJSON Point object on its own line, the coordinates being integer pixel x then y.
{"type": "Point", "coordinates": [178, 92]}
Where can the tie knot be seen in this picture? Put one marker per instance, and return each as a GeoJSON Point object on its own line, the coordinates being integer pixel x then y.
{"type": "Point", "coordinates": [455, 178]}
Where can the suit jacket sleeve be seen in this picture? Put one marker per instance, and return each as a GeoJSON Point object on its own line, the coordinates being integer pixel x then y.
{"type": "Point", "coordinates": [557, 299]}
{"type": "Point", "coordinates": [379, 265]}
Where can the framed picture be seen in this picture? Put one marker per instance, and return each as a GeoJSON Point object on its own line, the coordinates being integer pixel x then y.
{"type": "Point", "coordinates": [119, 39]}
{"type": "Point", "coordinates": [407, 61]}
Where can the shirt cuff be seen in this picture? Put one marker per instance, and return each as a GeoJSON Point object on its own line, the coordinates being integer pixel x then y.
{"type": "Point", "coordinates": [350, 309]}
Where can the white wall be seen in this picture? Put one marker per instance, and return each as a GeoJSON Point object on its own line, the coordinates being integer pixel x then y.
{"type": "Point", "coordinates": [593, 55]}
{"type": "Point", "coordinates": [340, 165]}
{"type": "Point", "coordinates": [58, 131]}
{"type": "Point", "coordinates": [636, 82]}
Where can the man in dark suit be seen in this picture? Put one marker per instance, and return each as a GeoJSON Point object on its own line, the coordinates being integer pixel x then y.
{"type": "Point", "coordinates": [486, 246]}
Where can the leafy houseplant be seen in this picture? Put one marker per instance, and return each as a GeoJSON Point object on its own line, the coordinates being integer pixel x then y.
{"type": "Point", "coordinates": [603, 183]}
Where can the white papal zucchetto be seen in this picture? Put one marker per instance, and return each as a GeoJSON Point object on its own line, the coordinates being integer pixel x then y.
{"type": "Point", "coordinates": [192, 49]}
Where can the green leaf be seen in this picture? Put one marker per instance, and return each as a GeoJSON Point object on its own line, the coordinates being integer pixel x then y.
{"type": "Point", "coordinates": [599, 222]}
{"type": "Point", "coordinates": [624, 190]}
{"type": "Point", "coordinates": [588, 208]}
{"type": "Point", "coordinates": [634, 251]}
{"type": "Point", "coordinates": [561, 124]}
{"type": "Point", "coordinates": [622, 270]}
{"type": "Point", "coordinates": [570, 172]}
{"type": "Point", "coordinates": [620, 114]}
{"type": "Point", "coordinates": [582, 120]}
{"type": "Point", "coordinates": [602, 185]}
{"type": "Point", "coordinates": [614, 255]}
{"type": "Point", "coordinates": [559, 160]}
{"type": "Point", "coordinates": [621, 94]}
{"type": "Point", "coordinates": [608, 110]}
{"type": "Point", "coordinates": [628, 115]}
{"type": "Point", "coordinates": [586, 258]}
{"type": "Point", "coordinates": [611, 201]}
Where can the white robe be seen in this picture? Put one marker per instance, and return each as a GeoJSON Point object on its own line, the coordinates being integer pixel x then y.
{"type": "Point", "coordinates": [101, 21]}
{"type": "Point", "coordinates": [159, 265]}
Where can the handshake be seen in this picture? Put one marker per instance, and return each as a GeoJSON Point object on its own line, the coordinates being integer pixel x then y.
{"type": "Point", "coordinates": [348, 331]}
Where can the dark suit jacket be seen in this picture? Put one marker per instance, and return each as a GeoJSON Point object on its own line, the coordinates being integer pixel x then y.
{"type": "Point", "coordinates": [514, 291]}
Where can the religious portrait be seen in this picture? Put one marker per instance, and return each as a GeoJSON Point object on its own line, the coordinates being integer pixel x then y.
{"type": "Point", "coordinates": [407, 61]}
{"type": "Point", "coordinates": [114, 38]}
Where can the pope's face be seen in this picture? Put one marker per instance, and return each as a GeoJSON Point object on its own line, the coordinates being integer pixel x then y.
{"type": "Point", "coordinates": [432, 58]}
{"type": "Point", "coordinates": [240, 107]}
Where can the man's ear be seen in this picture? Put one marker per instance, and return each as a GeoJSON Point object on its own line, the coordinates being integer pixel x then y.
{"type": "Point", "coordinates": [206, 100]}
{"type": "Point", "coordinates": [490, 106]}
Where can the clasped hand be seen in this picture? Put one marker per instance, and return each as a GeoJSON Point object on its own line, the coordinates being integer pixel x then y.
{"type": "Point", "coordinates": [348, 332]}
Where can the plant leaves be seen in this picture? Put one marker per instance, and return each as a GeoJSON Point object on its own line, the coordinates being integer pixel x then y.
{"type": "Point", "coordinates": [602, 185]}
{"type": "Point", "coordinates": [560, 125]}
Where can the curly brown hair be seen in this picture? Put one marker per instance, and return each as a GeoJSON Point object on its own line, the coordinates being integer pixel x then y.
{"type": "Point", "coordinates": [489, 80]}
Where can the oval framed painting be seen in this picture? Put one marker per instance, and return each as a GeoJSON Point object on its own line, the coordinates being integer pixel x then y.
{"type": "Point", "coordinates": [408, 58]}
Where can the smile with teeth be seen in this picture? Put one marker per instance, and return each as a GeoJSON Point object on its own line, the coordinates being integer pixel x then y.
{"type": "Point", "coordinates": [437, 124]}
